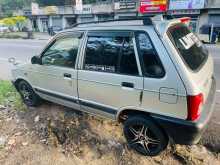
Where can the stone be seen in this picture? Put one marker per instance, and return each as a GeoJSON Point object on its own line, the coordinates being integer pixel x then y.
{"type": "Point", "coordinates": [36, 119]}
{"type": "Point", "coordinates": [18, 134]}
{"type": "Point", "coordinates": [24, 143]}
{"type": "Point", "coordinates": [9, 119]}
{"type": "Point", "coordinates": [112, 143]}
{"type": "Point", "coordinates": [2, 141]}
{"type": "Point", "coordinates": [43, 140]}
{"type": "Point", "coordinates": [11, 141]}
{"type": "Point", "coordinates": [2, 107]}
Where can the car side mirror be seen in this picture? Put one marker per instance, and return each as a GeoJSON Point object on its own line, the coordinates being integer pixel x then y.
{"type": "Point", "coordinates": [36, 60]}
{"type": "Point", "coordinates": [12, 60]}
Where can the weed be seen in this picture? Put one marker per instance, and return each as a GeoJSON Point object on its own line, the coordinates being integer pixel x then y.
{"type": "Point", "coordinates": [10, 97]}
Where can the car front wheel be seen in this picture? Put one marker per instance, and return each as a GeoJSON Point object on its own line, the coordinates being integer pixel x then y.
{"type": "Point", "coordinates": [28, 95]}
{"type": "Point", "coordinates": [144, 136]}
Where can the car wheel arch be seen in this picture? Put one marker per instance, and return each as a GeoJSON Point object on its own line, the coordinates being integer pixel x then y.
{"type": "Point", "coordinates": [125, 113]}
{"type": "Point", "coordinates": [18, 80]}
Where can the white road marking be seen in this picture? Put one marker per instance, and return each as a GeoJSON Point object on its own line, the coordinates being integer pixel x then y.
{"type": "Point", "coordinates": [6, 60]}
{"type": "Point", "coordinates": [216, 122]}
{"type": "Point", "coordinates": [22, 45]}
{"type": "Point", "coordinates": [216, 58]}
{"type": "Point", "coordinates": [3, 59]}
{"type": "Point", "coordinates": [218, 91]}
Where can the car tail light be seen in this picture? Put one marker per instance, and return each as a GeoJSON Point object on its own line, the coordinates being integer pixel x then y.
{"type": "Point", "coordinates": [194, 106]}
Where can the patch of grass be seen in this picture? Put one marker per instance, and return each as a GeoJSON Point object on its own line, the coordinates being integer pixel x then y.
{"type": "Point", "coordinates": [10, 36]}
{"type": "Point", "coordinates": [10, 97]}
{"type": "Point", "coordinates": [5, 88]}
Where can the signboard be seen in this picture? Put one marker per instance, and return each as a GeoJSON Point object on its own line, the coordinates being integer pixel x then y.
{"type": "Point", "coordinates": [117, 5]}
{"type": "Point", "coordinates": [87, 9]}
{"type": "Point", "coordinates": [34, 8]}
{"type": "Point", "coordinates": [127, 5]}
{"type": "Point", "coordinates": [79, 5]}
{"type": "Point", "coordinates": [186, 4]}
{"type": "Point", "coordinates": [51, 10]}
{"type": "Point", "coordinates": [153, 6]}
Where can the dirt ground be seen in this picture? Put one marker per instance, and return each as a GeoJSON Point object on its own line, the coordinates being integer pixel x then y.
{"type": "Point", "coordinates": [55, 135]}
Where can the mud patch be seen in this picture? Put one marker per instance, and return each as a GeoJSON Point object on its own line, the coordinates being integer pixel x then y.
{"type": "Point", "coordinates": [52, 134]}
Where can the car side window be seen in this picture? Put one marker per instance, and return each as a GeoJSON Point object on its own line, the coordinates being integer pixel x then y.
{"type": "Point", "coordinates": [128, 64]}
{"type": "Point", "coordinates": [151, 62]}
{"type": "Point", "coordinates": [62, 52]}
{"type": "Point", "coordinates": [112, 54]}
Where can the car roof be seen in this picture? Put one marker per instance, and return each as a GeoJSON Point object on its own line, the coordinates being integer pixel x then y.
{"type": "Point", "coordinates": [158, 23]}
{"type": "Point", "coordinates": [110, 24]}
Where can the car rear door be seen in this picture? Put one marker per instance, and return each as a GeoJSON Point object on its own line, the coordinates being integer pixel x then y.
{"type": "Point", "coordinates": [56, 77]}
{"type": "Point", "coordinates": [197, 65]}
{"type": "Point", "coordinates": [109, 77]}
{"type": "Point", "coordinates": [164, 92]}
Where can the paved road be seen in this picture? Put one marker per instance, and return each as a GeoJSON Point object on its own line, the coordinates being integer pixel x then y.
{"type": "Point", "coordinates": [215, 51]}
{"type": "Point", "coordinates": [23, 50]}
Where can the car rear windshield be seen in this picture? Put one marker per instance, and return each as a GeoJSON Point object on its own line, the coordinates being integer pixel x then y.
{"type": "Point", "coordinates": [190, 48]}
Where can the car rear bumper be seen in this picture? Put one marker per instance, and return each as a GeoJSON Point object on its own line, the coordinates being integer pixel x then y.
{"type": "Point", "coordinates": [187, 132]}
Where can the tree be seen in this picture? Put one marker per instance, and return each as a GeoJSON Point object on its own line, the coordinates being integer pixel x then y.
{"type": "Point", "coordinates": [18, 21]}
{"type": "Point", "coordinates": [8, 6]}
{"type": "Point", "coordinates": [55, 2]}
{"type": "Point", "coordinates": [88, 1]}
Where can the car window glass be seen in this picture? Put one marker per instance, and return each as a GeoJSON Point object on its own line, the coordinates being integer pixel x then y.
{"type": "Point", "coordinates": [128, 64]}
{"type": "Point", "coordinates": [152, 64]}
{"type": "Point", "coordinates": [112, 54]}
{"type": "Point", "coordinates": [62, 53]}
{"type": "Point", "coordinates": [102, 53]}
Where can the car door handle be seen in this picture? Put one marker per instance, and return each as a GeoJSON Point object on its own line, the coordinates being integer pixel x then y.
{"type": "Point", "coordinates": [67, 75]}
{"type": "Point", "coordinates": [127, 84]}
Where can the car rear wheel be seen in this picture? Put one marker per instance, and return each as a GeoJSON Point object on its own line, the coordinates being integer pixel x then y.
{"type": "Point", "coordinates": [28, 95]}
{"type": "Point", "coordinates": [144, 136]}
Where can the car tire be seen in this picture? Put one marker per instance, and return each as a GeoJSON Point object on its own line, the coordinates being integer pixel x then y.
{"type": "Point", "coordinates": [28, 95]}
{"type": "Point", "coordinates": [144, 136]}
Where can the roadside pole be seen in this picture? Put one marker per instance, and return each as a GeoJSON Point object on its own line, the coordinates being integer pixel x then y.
{"type": "Point", "coordinates": [211, 35]}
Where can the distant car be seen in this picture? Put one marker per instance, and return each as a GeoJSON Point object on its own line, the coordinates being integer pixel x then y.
{"type": "Point", "coordinates": [205, 33]}
{"type": "Point", "coordinates": [4, 29]}
{"type": "Point", "coordinates": [153, 75]}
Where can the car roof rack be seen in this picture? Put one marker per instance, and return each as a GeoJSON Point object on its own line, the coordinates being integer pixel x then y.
{"type": "Point", "coordinates": [146, 21]}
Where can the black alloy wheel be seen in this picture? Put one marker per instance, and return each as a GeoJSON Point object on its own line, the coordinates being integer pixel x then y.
{"type": "Point", "coordinates": [144, 136]}
{"type": "Point", "coordinates": [28, 95]}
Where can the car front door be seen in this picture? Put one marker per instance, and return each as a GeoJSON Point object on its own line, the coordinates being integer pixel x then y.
{"type": "Point", "coordinates": [110, 76]}
{"type": "Point", "coordinates": [56, 77]}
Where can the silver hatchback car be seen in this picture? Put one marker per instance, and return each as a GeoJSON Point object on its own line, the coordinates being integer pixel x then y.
{"type": "Point", "coordinates": [153, 75]}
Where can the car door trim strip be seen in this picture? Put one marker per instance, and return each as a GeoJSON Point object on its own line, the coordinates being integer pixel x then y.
{"type": "Point", "coordinates": [81, 102]}
{"type": "Point", "coordinates": [98, 107]}
{"type": "Point", "coordinates": [56, 95]}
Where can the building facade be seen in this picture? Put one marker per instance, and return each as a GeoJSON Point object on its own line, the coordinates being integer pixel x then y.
{"type": "Point", "coordinates": [211, 13]}
{"type": "Point", "coordinates": [201, 12]}
{"type": "Point", "coordinates": [65, 16]}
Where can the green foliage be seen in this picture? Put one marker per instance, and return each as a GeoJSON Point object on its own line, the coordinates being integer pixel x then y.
{"type": "Point", "coordinates": [8, 6]}
{"type": "Point", "coordinates": [9, 96]}
{"type": "Point", "coordinates": [88, 1]}
{"type": "Point", "coordinates": [11, 35]}
{"type": "Point", "coordinates": [5, 89]}
{"type": "Point", "coordinates": [52, 2]}
{"type": "Point", "coordinates": [18, 21]}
